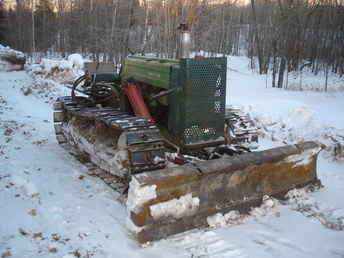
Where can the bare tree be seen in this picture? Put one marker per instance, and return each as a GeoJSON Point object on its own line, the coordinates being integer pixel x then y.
{"type": "Point", "coordinates": [275, 34]}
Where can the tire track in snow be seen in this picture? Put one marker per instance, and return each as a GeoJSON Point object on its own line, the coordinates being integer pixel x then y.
{"type": "Point", "coordinates": [301, 201]}
{"type": "Point", "coordinates": [204, 244]}
{"type": "Point", "coordinates": [274, 244]}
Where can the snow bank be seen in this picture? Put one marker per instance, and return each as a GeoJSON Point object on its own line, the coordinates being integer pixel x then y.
{"type": "Point", "coordinates": [76, 60]}
{"type": "Point", "coordinates": [46, 89]}
{"type": "Point", "coordinates": [62, 71]}
{"type": "Point", "coordinates": [285, 115]}
{"type": "Point", "coordinates": [51, 66]}
{"type": "Point", "coordinates": [11, 60]}
{"type": "Point", "coordinates": [298, 125]}
{"type": "Point", "coordinates": [49, 75]}
{"type": "Point", "coordinates": [221, 220]}
{"type": "Point", "coordinates": [268, 208]}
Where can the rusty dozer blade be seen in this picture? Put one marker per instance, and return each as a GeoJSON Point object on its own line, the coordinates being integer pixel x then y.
{"type": "Point", "coordinates": [172, 200]}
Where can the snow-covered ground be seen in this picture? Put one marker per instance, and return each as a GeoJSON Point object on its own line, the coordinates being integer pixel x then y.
{"type": "Point", "coordinates": [49, 207]}
{"type": "Point", "coordinates": [285, 115]}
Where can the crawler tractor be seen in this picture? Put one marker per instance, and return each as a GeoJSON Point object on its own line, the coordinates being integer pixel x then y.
{"type": "Point", "coordinates": [159, 133]}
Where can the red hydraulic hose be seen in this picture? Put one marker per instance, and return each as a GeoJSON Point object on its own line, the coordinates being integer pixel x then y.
{"type": "Point", "coordinates": [137, 102]}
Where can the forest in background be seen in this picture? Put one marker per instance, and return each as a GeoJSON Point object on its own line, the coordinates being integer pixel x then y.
{"type": "Point", "coordinates": [278, 36]}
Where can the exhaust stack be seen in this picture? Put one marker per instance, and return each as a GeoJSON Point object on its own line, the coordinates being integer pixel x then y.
{"type": "Point", "coordinates": [184, 41]}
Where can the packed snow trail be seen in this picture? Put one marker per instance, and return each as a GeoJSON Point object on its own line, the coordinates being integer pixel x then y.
{"type": "Point", "coordinates": [49, 207]}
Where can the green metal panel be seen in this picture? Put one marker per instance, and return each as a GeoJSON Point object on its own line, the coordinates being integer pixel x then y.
{"type": "Point", "coordinates": [197, 107]}
{"type": "Point", "coordinates": [175, 101]}
{"type": "Point", "coordinates": [152, 71]}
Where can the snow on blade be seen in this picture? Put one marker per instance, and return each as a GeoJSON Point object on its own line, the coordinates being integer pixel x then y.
{"type": "Point", "coordinates": [177, 208]}
{"type": "Point", "coordinates": [138, 195]}
{"type": "Point", "coordinates": [304, 158]}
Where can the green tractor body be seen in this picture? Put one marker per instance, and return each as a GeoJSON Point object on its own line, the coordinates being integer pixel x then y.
{"type": "Point", "coordinates": [196, 99]}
